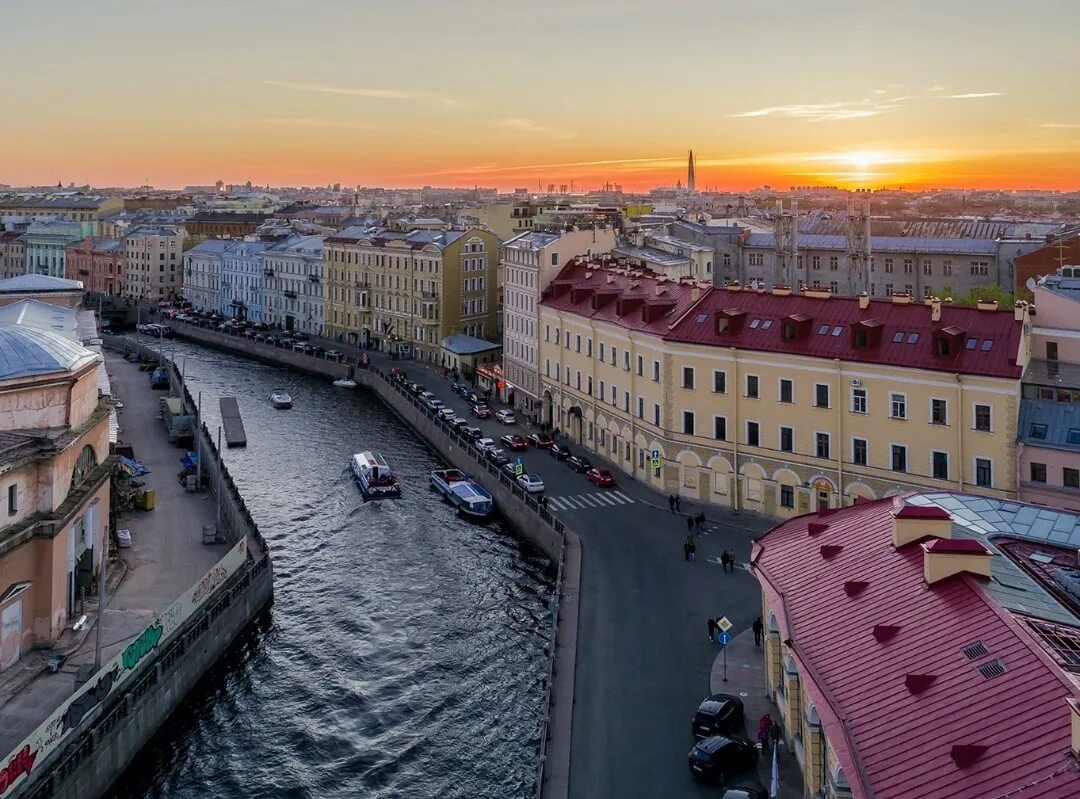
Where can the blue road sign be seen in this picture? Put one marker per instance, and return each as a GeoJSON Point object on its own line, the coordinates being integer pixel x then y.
{"type": "Point", "coordinates": [655, 453]}
{"type": "Point", "coordinates": [725, 638]}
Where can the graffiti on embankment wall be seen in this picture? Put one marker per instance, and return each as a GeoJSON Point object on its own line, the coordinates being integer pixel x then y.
{"type": "Point", "coordinates": [56, 729]}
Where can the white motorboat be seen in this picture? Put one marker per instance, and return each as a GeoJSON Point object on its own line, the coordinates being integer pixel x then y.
{"type": "Point", "coordinates": [280, 399]}
{"type": "Point", "coordinates": [374, 476]}
{"type": "Point", "coordinates": [345, 382]}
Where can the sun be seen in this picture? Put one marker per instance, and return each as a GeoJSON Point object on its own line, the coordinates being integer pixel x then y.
{"type": "Point", "coordinates": [864, 159]}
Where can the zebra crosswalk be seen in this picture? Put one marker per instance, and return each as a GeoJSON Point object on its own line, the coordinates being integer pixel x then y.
{"type": "Point", "coordinates": [597, 499]}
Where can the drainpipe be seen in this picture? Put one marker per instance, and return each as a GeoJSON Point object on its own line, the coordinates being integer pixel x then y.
{"type": "Point", "coordinates": [839, 439]}
{"type": "Point", "coordinates": [735, 438]}
{"type": "Point", "coordinates": [960, 426]}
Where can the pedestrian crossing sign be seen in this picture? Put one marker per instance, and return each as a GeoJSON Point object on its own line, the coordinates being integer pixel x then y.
{"type": "Point", "coordinates": [519, 469]}
{"type": "Point", "coordinates": [724, 623]}
{"type": "Point", "coordinates": [655, 463]}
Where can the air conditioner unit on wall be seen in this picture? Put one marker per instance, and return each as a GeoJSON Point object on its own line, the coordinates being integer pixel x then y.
{"type": "Point", "coordinates": [856, 382]}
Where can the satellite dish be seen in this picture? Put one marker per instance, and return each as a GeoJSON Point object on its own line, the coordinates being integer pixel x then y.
{"type": "Point", "coordinates": [1030, 284]}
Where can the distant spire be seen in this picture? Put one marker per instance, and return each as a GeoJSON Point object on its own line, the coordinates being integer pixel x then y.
{"type": "Point", "coordinates": [691, 184]}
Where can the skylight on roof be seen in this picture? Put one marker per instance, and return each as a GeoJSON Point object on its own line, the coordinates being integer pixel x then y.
{"type": "Point", "coordinates": [987, 344]}
{"type": "Point", "coordinates": [766, 324]}
{"type": "Point", "coordinates": [823, 330]}
{"type": "Point", "coordinates": [701, 318]}
{"type": "Point", "coordinates": [836, 331]}
{"type": "Point", "coordinates": [754, 323]}
{"type": "Point", "coordinates": [912, 338]}
{"type": "Point", "coordinates": [971, 342]}
{"type": "Point", "coordinates": [1037, 431]}
{"type": "Point", "coordinates": [898, 336]}
{"type": "Point", "coordinates": [1074, 435]}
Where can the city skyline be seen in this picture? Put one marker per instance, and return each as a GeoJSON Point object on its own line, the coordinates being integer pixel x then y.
{"type": "Point", "coordinates": [851, 94]}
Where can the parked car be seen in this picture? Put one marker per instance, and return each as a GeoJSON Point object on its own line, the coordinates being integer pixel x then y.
{"type": "Point", "coordinates": [497, 456]}
{"type": "Point", "coordinates": [602, 477]}
{"type": "Point", "coordinates": [470, 396]}
{"type": "Point", "coordinates": [718, 714]}
{"type": "Point", "coordinates": [459, 424]}
{"type": "Point", "coordinates": [481, 411]}
{"type": "Point", "coordinates": [333, 355]}
{"type": "Point", "coordinates": [744, 790]}
{"type": "Point", "coordinates": [484, 444]}
{"type": "Point", "coordinates": [506, 416]}
{"type": "Point", "coordinates": [319, 352]}
{"type": "Point", "coordinates": [579, 463]}
{"type": "Point", "coordinates": [434, 403]}
{"type": "Point", "coordinates": [299, 347]}
{"type": "Point", "coordinates": [541, 440]}
{"type": "Point", "coordinates": [510, 470]}
{"type": "Point", "coordinates": [531, 483]}
{"type": "Point", "coordinates": [447, 413]}
{"type": "Point", "coordinates": [514, 442]}
{"type": "Point", "coordinates": [471, 433]}
{"type": "Point", "coordinates": [718, 758]}
{"type": "Point", "coordinates": [559, 452]}
{"type": "Point", "coordinates": [459, 388]}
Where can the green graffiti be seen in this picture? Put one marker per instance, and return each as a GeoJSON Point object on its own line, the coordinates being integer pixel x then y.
{"type": "Point", "coordinates": [141, 646]}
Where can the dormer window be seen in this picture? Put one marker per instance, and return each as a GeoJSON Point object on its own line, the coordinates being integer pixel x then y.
{"type": "Point", "coordinates": [790, 331]}
{"type": "Point", "coordinates": [941, 346]}
{"type": "Point", "coordinates": [860, 339]}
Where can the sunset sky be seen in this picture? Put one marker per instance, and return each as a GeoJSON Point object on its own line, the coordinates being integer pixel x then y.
{"type": "Point", "coordinates": [412, 92]}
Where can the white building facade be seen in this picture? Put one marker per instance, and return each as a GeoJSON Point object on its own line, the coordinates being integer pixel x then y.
{"type": "Point", "coordinates": [528, 262]}
{"type": "Point", "coordinates": [243, 281]}
{"type": "Point", "coordinates": [202, 274]}
{"type": "Point", "coordinates": [294, 273]}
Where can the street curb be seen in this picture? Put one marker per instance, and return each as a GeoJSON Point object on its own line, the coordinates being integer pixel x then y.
{"type": "Point", "coordinates": [556, 784]}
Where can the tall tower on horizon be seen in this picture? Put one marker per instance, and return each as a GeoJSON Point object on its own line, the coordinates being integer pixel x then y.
{"type": "Point", "coordinates": [691, 184]}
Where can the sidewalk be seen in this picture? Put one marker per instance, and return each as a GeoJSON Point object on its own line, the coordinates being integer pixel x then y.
{"type": "Point", "coordinates": [746, 680]}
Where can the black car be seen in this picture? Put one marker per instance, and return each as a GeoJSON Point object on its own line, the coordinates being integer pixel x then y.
{"type": "Point", "coordinates": [559, 452]}
{"type": "Point", "coordinates": [744, 790]}
{"type": "Point", "coordinates": [470, 396]}
{"type": "Point", "coordinates": [718, 758]}
{"type": "Point", "coordinates": [579, 463]}
{"type": "Point", "coordinates": [718, 715]}
{"type": "Point", "coordinates": [497, 456]}
{"type": "Point", "coordinates": [472, 433]}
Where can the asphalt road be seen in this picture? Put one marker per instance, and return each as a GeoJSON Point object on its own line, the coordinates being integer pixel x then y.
{"type": "Point", "coordinates": [643, 651]}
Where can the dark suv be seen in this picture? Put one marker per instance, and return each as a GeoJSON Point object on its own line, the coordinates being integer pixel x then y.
{"type": "Point", "coordinates": [718, 715]}
{"type": "Point", "coordinates": [578, 463]}
{"type": "Point", "coordinates": [718, 758]}
{"type": "Point", "coordinates": [559, 452]}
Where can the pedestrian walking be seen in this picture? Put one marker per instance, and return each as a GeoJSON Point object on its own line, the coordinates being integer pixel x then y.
{"type": "Point", "coordinates": [775, 734]}
{"type": "Point", "coordinates": [693, 548]}
{"type": "Point", "coordinates": [671, 502]}
{"type": "Point", "coordinates": [724, 561]}
{"type": "Point", "coordinates": [677, 504]}
{"type": "Point", "coordinates": [690, 525]}
{"type": "Point", "coordinates": [700, 519]}
{"type": "Point", "coordinates": [759, 628]}
{"type": "Point", "coordinates": [712, 629]}
{"type": "Point", "coordinates": [686, 547]}
{"type": "Point", "coordinates": [764, 726]}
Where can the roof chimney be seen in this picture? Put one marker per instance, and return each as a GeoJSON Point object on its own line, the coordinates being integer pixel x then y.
{"type": "Point", "coordinates": [935, 309]}
{"type": "Point", "coordinates": [1020, 310]}
{"type": "Point", "coordinates": [658, 289]}
{"type": "Point", "coordinates": [943, 559]}
{"type": "Point", "coordinates": [901, 298]}
{"type": "Point", "coordinates": [864, 301]}
{"type": "Point", "coordinates": [915, 522]}
{"type": "Point", "coordinates": [610, 278]}
{"type": "Point", "coordinates": [781, 291]}
{"type": "Point", "coordinates": [987, 305]}
{"type": "Point", "coordinates": [695, 294]}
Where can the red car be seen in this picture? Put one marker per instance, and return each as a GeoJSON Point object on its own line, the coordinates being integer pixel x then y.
{"type": "Point", "coordinates": [514, 442]}
{"type": "Point", "coordinates": [482, 411]}
{"type": "Point", "coordinates": [602, 477]}
{"type": "Point", "coordinates": [541, 440]}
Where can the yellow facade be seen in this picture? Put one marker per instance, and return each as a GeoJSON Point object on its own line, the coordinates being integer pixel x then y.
{"type": "Point", "coordinates": [776, 433]}
{"type": "Point", "coordinates": [408, 293]}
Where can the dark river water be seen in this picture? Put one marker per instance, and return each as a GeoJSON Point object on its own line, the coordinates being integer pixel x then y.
{"type": "Point", "coordinates": [404, 653]}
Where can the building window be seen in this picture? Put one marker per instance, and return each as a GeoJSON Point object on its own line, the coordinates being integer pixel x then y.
{"type": "Point", "coordinates": [939, 411]}
{"type": "Point", "coordinates": [752, 386]}
{"type": "Point", "coordinates": [720, 428]}
{"type": "Point", "coordinates": [858, 451]}
{"type": "Point", "coordinates": [821, 445]}
{"type": "Point", "coordinates": [641, 407]}
{"type": "Point", "coordinates": [939, 465]}
{"type": "Point", "coordinates": [1070, 477]}
{"type": "Point", "coordinates": [656, 371]}
{"type": "Point", "coordinates": [982, 418]}
{"type": "Point", "coordinates": [1038, 472]}
{"type": "Point", "coordinates": [898, 406]}
{"type": "Point", "coordinates": [588, 347]}
{"type": "Point", "coordinates": [588, 385]}
{"type": "Point", "coordinates": [656, 415]}
{"type": "Point", "coordinates": [719, 382]}
{"type": "Point", "coordinates": [601, 350]}
{"type": "Point", "coordinates": [787, 439]}
{"type": "Point", "coordinates": [858, 400]}
{"type": "Point", "coordinates": [821, 395]}
{"type": "Point", "coordinates": [602, 393]}
{"type": "Point", "coordinates": [946, 268]}
{"type": "Point", "coordinates": [688, 377]}
{"type": "Point", "coordinates": [626, 360]}
{"type": "Point", "coordinates": [577, 344]}
{"type": "Point", "coordinates": [984, 472]}
{"type": "Point", "coordinates": [753, 434]}
{"type": "Point", "coordinates": [13, 499]}
{"type": "Point", "coordinates": [640, 366]}
{"type": "Point", "coordinates": [899, 458]}
{"type": "Point", "coordinates": [787, 496]}
{"type": "Point", "coordinates": [787, 391]}
{"type": "Point", "coordinates": [688, 423]}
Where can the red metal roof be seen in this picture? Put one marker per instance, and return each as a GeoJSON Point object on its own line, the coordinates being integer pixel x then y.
{"type": "Point", "coordinates": [958, 546]}
{"type": "Point", "coordinates": [987, 343]}
{"type": "Point", "coordinates": [631, 298]}
{"type": "Point", "coordinates": [922, 512]}
{"type": "Point", "coordinates": [907, 712]}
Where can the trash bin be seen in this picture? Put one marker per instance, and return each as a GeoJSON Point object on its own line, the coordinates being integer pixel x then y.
{"type": "Point", "coordinates": [209, 534]}
{"type": "Point", "coordinates": [147, 499]}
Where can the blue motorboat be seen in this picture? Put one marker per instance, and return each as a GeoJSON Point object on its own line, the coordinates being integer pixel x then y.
{"type": "Point", "coordinates": [468, 496]}
{"type": "Point", "coordinates": [159, 378]}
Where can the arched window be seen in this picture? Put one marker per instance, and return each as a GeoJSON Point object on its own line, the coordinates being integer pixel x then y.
{"type": "Point", "coordinates": [84, 465]}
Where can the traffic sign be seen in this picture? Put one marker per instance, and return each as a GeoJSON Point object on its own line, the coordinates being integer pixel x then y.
{"type": "Point", "coordinates": [656, 463]}
{"type": "Point", "coordinates": [724, 623]}
{"type": "Point", "coordinates": [519, 469]}
{"type": "Point", "coordinates": [654, 454]}
{"type": "Point", "coordinates": [725, 638]}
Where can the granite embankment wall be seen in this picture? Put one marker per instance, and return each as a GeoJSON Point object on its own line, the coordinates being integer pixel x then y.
{"type": "Point", "coordinates": [108, 738]}
{"type": "Point", "coordinates": [528, 520]}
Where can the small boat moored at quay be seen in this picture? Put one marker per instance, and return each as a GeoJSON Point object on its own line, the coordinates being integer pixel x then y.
{"type": "Point", "coordinates": [469, 497]}
{"type": "Point", "coordinates": [280, 399]}
{"type": "Point", "coordinates": [345, 382]}
{"type": "Point", "coordinates": [374, 476]}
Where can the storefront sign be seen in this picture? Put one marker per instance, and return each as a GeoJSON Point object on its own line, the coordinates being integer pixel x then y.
{"type": "Point", "coordinates": [56, 729]}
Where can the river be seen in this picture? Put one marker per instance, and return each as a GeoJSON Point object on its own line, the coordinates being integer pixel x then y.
{"type": "Point", "coordinates": [405, 651]}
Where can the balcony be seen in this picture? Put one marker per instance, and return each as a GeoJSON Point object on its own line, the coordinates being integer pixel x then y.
{"type": "Point", "coordinates": [290, 295]}
{"type": "Point", "coordinates": [428, 295]}
{"type": "Point", "coordinates": [361, 299]}
{"type": "Point", "coordinates": [268, 272]}
{"type": "Point", "coordinates": [313, 278]}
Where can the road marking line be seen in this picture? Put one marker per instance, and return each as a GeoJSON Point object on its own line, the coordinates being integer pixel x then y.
{"type": "Point", "coordinates": [609, 500]}
{"type": "Point", "coordinates": [555, 502]}
{"type": "Point", "coordinates": [628, 499]}
{"type": "Point", "coordinates": [570, 503]}
{"type": "Point", "coordinates": [585, 498]}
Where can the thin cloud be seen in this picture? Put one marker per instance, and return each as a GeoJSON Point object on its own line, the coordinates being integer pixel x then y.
{"type": "Point", "coordinates": [971, 95]}
{"type": "Point", "coordinates": [1060, 125]}
{"type": "Point", "coordinates": [316, 122]}
{"type": "Point", "coordinates": [813, 112]}
{"type": "Point", "coordinates": [370, 92]}
{"type": "Point", "coordinates": [532, 126]}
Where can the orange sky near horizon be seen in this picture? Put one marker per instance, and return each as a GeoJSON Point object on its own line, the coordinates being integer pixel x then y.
{"type": "Point", "coordinates": [776, 92]}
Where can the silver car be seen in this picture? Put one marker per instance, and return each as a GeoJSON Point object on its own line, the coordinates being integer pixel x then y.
{"type": "Point", "coordinates": [531, 483]}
